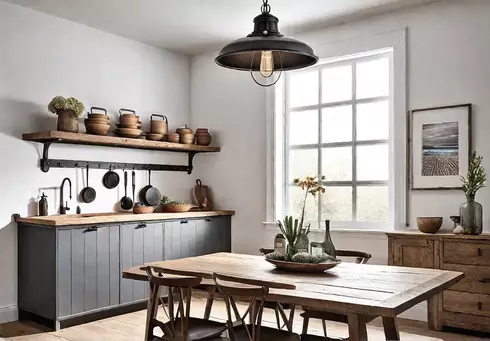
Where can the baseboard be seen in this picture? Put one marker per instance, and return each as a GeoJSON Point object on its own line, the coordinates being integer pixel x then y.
{"type": "Point", "coordinates": [419, 313]}
{"type": "Point", "coordinates": [8, 313]}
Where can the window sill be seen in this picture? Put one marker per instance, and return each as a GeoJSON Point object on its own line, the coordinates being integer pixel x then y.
{"type": "Point", "coordinates": [273, 227]}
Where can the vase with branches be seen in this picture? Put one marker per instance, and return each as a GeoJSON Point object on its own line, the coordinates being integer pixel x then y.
{"type": "Point", "coordinates": [471, 212]}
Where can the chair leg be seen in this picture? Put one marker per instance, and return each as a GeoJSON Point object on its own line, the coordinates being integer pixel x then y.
{"type": "Point", "coordinates": [324, 325]}
{"type": "Point", "coordinates": [306, 321]}
{"type": "Point", "coordinates": [209, 304]}
{"type": "Point", "coordinates": [278, 321]}
{"type": "Point", "coordinates": [151, 311]}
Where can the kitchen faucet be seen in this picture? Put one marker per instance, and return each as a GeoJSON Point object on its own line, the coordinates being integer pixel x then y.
{"type": "Point", "coordinates": [64, 208]}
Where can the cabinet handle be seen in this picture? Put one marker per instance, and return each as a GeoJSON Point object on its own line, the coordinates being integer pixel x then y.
{"type": "Point", "coordinates": [480, 252]}
{"type": "Point", "coordinates": [184, 221]}
{"type": "Point", "coordinates": [485, 280]}
{"type": "Point", "coordinates": [140, 226]}
{"type": "Point", "coordinates": [91, 229]}
{"type": "Point", "coordinates": [208, 220]}
{"type": "Point", "coordinates": [480, 306]}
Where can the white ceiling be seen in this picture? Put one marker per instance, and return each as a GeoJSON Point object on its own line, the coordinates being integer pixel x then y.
{"type": "Point", "coordinates": [197, 26]}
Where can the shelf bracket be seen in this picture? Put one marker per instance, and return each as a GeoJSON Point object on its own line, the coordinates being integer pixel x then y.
{"type": "Point", "coordinates": [45, 159]}
{"type": "Point", "coordinates": [191, 158]}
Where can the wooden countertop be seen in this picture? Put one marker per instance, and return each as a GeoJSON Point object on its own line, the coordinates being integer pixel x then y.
{"type": "Point", "coordinates": [441, 234]}
{"type": "Point", "coordinates": [115, 217]}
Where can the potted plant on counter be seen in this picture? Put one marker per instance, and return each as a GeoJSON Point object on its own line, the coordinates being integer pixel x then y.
{"type": "Point", "coordinates": [471, 212]}
{"type": "Point", "coordinates": [68, 111]}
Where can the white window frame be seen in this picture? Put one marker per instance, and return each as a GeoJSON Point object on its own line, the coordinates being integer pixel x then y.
{"type": "Point", "coordinates": [394, 40]}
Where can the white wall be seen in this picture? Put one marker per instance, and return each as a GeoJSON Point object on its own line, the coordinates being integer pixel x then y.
{"type": "Point", "coordinates": [448, 49]}
{"type": "Point", "coordinates": [42, 56]}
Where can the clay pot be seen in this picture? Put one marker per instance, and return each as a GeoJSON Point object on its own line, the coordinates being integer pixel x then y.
{"type": "Point", "coordinates": [184, 130]}
{"type": "Point", "coordinates": [186, 138]}
{"type": "Point", "coordinates": [173, 137]}
{"type": "Point", "coordinates": [67, 121]}
{"type": "Point", "coordinates": [157, 126]}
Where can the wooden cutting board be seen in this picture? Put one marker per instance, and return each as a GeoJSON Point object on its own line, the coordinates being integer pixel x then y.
{"type": "Point", "coordinates": [201, 196]}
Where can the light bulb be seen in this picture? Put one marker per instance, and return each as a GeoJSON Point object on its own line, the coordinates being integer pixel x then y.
{"type": "Point", "coordinates": [266, 64]}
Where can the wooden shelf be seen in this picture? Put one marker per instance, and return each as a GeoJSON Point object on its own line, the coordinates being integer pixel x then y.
{"type": "Point", "coordinates": [113, 141]}
{"type": "Point", "coordinates": [49, 137]}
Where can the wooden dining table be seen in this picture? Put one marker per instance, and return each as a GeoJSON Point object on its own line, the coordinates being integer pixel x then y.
{"type": "Point", "coordinates": [358, 291]}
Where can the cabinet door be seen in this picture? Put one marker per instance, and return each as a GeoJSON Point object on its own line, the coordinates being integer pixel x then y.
{"type": "Point", "coordinates": [213, 235]}
{"type": "Point", "coordinates": [180, 239]}
{"type": "Point", "coordinates": [88, 269]}
{"type": "Point", "coordinates": [415, 252]}
{"type": "Point", "coordinates": [140, 243]}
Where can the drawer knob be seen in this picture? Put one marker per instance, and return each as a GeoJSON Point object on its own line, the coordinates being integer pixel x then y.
{"type": "Point", "coordinates": [480, 305]}
{"type": "Point", "coordinates": [480, 252]}
{"type": "Point", "coordinates": [485, 280]}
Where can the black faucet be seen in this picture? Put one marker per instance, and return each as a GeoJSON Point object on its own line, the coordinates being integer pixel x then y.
{"type": "Point", "coordinates": [64, 208]}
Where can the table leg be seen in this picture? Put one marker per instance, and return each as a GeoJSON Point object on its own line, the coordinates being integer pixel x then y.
{"type": "Point", "coordinates": [434, 308]}
{"type": "Point", "coordinates": [391, 329]}
{"type": "Point", "coordinates": [357, 327]}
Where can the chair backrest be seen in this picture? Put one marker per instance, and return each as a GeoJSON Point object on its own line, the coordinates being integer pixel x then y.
{"type": "Point", "coordinates": [251, 290]}
{"type": "Point", "coordinates": [177, 327]}
{"type": "Point", "coordinates": [361, 257]}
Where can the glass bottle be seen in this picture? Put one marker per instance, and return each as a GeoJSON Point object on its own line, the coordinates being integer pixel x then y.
{"type": "Point", "coordinates": [303, 242]}
{"type": "Point", "coordinates": [280, 244]}
{"type": "Point", "coordinates": [328, 246]}
{"type": "Point", "coordinates": [471, 213]}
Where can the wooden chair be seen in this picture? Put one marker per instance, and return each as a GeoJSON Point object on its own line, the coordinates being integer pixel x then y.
{"type": "Point", "coordinates": [324, 315]}
{"type": "Point", "coordinates": [279, 308]}
{"type": "Point", "coordinates": [180, 326]}
{"type": "Point", "coordinates": [255, 292]}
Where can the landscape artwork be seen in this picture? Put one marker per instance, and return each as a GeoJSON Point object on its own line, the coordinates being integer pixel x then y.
{"type": "Point", "coordinates": [440, 149]}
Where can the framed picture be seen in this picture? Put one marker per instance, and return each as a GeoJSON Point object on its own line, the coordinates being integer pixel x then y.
{"type": "Point", "coordinates": [440, 143]}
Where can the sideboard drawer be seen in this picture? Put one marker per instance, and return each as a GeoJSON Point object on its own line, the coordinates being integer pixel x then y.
{"type": "Point", "coordinates": [476, 278]}
{"type": "Point", "coordinates": [466, 303]}
{"type": "Point", "coordinates": [466, 253]}
{"type": "Point", "coordinates": [466, 321]}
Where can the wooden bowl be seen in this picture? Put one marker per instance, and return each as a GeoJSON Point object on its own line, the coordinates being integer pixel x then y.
{"type": "Point", "coordinates": [128, 119]}
{"type": "Point", "coordinates": [154, 137]}
{"type": "Point", "coordinates": [97, 128]}
{"type": "Point", "coordinates": [303, 267]}
{"type": "Point", "coordinates": [130, 126]}
{"type": "Point", "coordinates": [142, 209]}
{"type": "Point", "coordinates": [128, 132]}
{"type": "Point", "coordinates": [186, 138]}
{"type": "Point", "coordinates": [173, 137]}
{"type": "Point", "coordinates": [429, 224]}
{"type": "Point", "coordinates": [176, 208]}
{"type": "Point", "coordinates": [98, 117]}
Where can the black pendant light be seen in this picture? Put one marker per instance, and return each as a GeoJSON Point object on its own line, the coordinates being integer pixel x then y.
{"type": "Point", "coordinates": [266, 50]}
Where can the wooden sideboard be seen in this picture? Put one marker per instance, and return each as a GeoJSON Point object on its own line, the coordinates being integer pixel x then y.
{"type": "Point", "coordinates": [467, 303]}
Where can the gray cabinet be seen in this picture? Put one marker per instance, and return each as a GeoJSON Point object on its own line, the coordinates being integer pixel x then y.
{"type": "Point", "coordinates": [71, 275]}
{"type": "Point", "coordinates": [87, 269]}
{"type": "Point", "coordinates": [140, 243]}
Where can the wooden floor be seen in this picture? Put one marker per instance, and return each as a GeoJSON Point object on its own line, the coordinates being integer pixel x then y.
{"type": "Point", "coordinates": [131, 327]}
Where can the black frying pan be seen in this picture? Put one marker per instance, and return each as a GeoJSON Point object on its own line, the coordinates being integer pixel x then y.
{"type": "Point", "coordinates": [150, 195]}
{"type": "Point", "coordinates": [88, 194]}
{"type": "Point", "coordinates": [110, 179]}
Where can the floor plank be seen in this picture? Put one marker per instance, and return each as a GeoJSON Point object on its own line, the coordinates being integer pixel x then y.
{"type": "Point", "coordinates": [131, 327]}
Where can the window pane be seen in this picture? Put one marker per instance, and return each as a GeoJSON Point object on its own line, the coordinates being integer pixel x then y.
{"type": "Point", "coordinates": [296, 199]}
{"type": "Point", "coordinates": [373, 121]}
{"type": "Point", "coordinates": [337, 124]}
{"type": "Point", "coordinates": [303, 88]}
{"type": "Point", "coordinates": [372, 203]}
{"type": "Point", "coordinates": [337, 204]}
{"type": "Point", "coordinates": [303, 127]}
{"type": "Point", "coordinates": [337, 163]}
{"type": "Point", "coordinates": [303, 163]}
{"type": "Point", "coordinates": [337, 84]}
{"type": "Point", "coordinates": [373, 78]}
{"type": "Point", "coordinates": [372, 162]}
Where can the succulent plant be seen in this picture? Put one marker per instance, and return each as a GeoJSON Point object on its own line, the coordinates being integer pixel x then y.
{"type": "Point", "coordinates": [322, 258]}
{"type": "Point", "coordinates": [166, 201]}
{"type": "Point", "coordinates": [303, 257]}
{"type": "Point", "coordinates": [275, 256]}
{"type": "Point", "coordinates": [70, 103]}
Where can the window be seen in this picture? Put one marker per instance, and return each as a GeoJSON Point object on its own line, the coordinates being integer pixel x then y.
{"type": "Point", "coordinates": [336, 122]}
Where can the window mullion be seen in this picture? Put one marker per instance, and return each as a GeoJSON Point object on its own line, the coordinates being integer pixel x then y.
{"type": "Point", "coordinates": [354, 139]}
{"type": "Point", "coordinates": [320, 139]}
{"type": "Point", "coordinates": [287, 150]}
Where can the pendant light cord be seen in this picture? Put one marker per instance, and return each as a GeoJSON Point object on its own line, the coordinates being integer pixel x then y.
{"type": "Point", "coordinates": [265, 8]}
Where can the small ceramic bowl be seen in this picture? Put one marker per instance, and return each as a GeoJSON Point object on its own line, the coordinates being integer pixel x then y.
{"type": "Point", "coordinates": [429, 224]}
{"type": "Point", "coordinates": [173, 137]}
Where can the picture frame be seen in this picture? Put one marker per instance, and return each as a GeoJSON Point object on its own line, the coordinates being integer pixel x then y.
{"type": "Point", "coordinates": [440, 143]}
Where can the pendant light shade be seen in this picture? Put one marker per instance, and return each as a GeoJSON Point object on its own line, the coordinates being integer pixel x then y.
{"type": "Point", "coordinates": [266, 50]}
